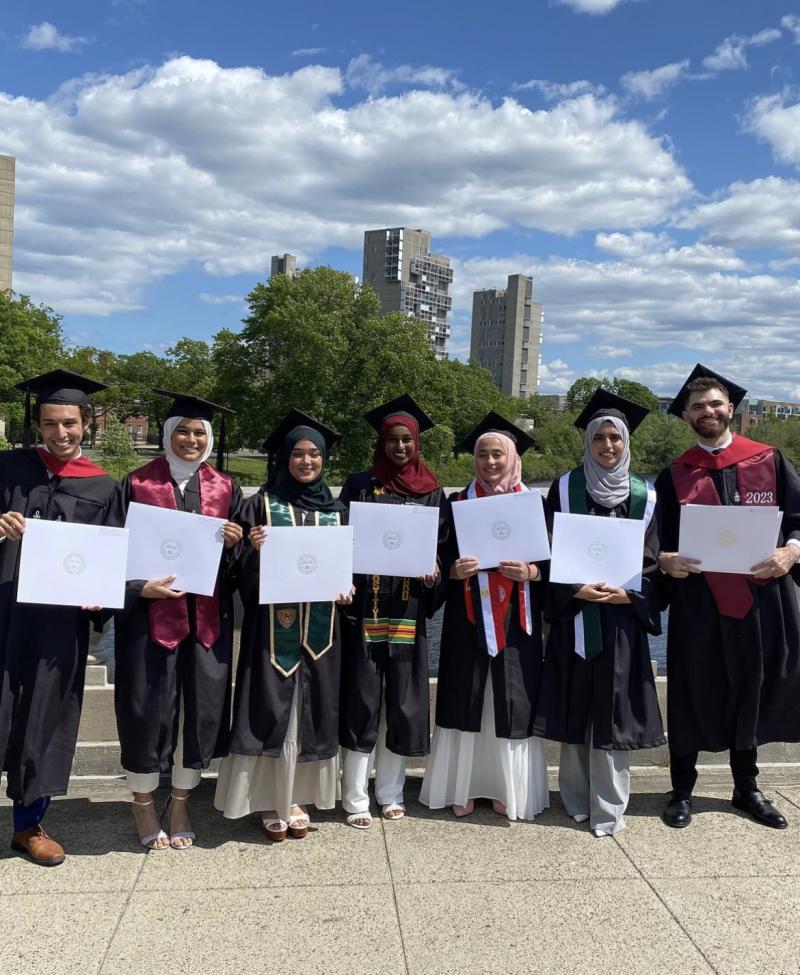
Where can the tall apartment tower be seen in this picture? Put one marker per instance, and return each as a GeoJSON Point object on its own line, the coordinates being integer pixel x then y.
{"type": "Point", "coordinates": [507, 335]}
{"type": "Point", "coordinates": [6, 220]}
{"type": "Point", "coordinates": [408, 278]}
{"type": "Point", "coordinates": [284, 264]}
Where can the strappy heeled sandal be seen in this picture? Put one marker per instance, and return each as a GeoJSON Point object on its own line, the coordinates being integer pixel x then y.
{"type": "Point", "coordinates": [362, 820]}
{"type": "Point", "coordinates": [181, 834]}
{"type": "Point", "coordinates": [394, 810]}
{"type": "Point", "coordinates": [274, 828]}
{"type": "Point", "coordinates": [148, 841]}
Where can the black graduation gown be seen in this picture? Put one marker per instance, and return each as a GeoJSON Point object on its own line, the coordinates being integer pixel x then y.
{"type": "Point", "coordinates": [149, 679]}
{"type": "Point", "coordinates": [464, 666]}
{"type": "Point", "coordinates": [615, 692]}
{"type": "Point", "coordinates": [732, 683]}
{"type": "Point", "coordinates": [42, 648]}
{"type": "Point", "coordinates": [372, 672]}
{"type": "Point", "coordinates": [262, 700]}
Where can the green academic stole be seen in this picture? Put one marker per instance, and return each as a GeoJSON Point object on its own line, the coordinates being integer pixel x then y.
{"type": "Point", "coordinates": [572, 495]}
{"type": "Point", "coordinates": [306, 626]}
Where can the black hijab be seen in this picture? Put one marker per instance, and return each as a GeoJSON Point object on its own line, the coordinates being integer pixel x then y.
{"type": "Point", "coordinates": [315, 496]}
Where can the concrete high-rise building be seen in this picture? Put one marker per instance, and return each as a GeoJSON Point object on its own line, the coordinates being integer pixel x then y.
{"type": "Point", "coordinates": [6, 220]}
{"type": "Point", "coordinates": [284, 264]}
{"type": "Point", "coordinates": [408, 278]}
{"type": "Point", "coordinates": [507, 335]}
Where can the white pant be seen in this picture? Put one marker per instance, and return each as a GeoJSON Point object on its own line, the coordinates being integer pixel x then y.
{"type": "Point", "coordinates": [595, 783]}
{"type": "Point", "coordinates": [390, 775]}
{"type": "Point", "coordinates": [182, 778]}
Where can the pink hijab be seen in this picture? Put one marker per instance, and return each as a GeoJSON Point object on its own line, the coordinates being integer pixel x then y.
{"type": "Point", "coordinates": [513, 474]}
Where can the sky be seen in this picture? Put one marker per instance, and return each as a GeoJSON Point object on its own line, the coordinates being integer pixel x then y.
{"type": "Point", "coordinates": [638, 157]}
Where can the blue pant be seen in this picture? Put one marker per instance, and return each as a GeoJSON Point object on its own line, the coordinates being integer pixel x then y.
{"type": "Point", "coordinates": [27, 816]}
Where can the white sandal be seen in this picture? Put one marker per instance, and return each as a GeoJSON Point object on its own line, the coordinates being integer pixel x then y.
{"type": "Point", "coordinates": [181, 834]}
{"type": "Point", "coordinates": [397, 809]}
{"type": "Point", "coordinates": [276, 829]}
{"type": "Point", "coordinates": [360, 820]}
{"type": "Point", "coordinates": [147, 841]}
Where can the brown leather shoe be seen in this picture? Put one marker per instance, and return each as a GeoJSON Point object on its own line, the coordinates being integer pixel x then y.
{"type": "Point", "coordinates": [36, 844]}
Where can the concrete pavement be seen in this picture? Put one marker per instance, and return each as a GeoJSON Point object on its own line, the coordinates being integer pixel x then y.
{"type": "Point", "coordinates": [424, 895]}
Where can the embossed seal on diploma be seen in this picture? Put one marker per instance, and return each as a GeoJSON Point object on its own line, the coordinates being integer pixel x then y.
{"type": "Point", "coordinates": [727, 538]}
{"type": "Point", "coordinates": [170, 549]}
{"type": "Point", "coordinates": [597, 551]}
{"type": "Point", "coordinates": [74, 563]}
{"type": "Point", "coordinates": [392, 540]}
{"type": "Point", "coordinates": [501, 530]}
{"type": "Point", "coordinates": [307, 564]}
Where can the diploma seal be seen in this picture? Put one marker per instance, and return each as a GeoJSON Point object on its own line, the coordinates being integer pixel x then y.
{"type": "Point", "coordinates": [597, 551]}
{"type": "Point", "coordinates": [392, 540]}
{"type": "Point", "coordinates": [307, 564]}
{"type": "Point", "coordinates": [74, 563]}
{"type": "Point", "coordinates": [727, 538]}
{"type": "Point", "coordinates": [170, 549]}
{"type": "Point", "coordinates": [501, 530]}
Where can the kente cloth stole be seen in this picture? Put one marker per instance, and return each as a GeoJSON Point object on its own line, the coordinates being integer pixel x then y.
{"type": "Point", "coordinates": [396, 630]}
{"type": "Point", "coordinates": [572, 495]}
{"type": "Point", "coordinates": [487, 596]}
{"type": "Point", "coordinates": [756, 482]}
{"type": "Point", "coordinates": [300, 625]}
{"type": "Point", "coordinates": [169, 618]}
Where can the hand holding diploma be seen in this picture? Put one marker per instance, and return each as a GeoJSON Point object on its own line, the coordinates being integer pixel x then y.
{"type": "Point", "coordinates": [778, 564]}
{"type": "Point", "coordinates": [257, 536]}
{"type": "Point", "coordinates": [464, 567]}
{"type": "Point", "coordinates": [231, 534]}
{"type": "Point", "coordinates": [599, 592]}
{"type": "Point", "coordinates": [678, 566]}
{"type": "Point", "coordinates": [12, 525]}
{"type": "Point", "coordinates": [160, 589]}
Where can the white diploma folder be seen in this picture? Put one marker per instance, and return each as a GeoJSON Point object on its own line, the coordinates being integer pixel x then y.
{"type": "Point", "coordinates": [63, 564]}
{"type": "Point", "coordinates": [166, 542]}
{"type": "Point", "coordinates": [502, 528]}
{"type": "Point", "coordinates": [728, 538]}
{"type": "Point", "coordinates": [394, 539]}
{"type": "Point", "coordinates": [306, 565]}
{"type": "Point", "coordinates": [591, 548]}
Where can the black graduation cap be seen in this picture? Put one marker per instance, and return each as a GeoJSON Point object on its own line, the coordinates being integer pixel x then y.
{"type": "Point", "coordinates": [57, 386]}
{"type": "Point", "coordinates": [296, 418]}
{"type": "Point", "coordinates": [494, 423]}
{"type": "Point", "coordinates": [196, 408]}
{"type": "Point", "coordinates": [402, 404]}
{"type": "Point", "coordinates": [735, 393]}
{"type": "Point", "coordinates": [603, 401]}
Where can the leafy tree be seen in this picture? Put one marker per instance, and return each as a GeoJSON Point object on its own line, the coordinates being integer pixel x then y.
{"type": "Point", "coordinates": [116, 450]}
{"type": "Point", "coordinates": [783, 434]}
{"type": "Point", "coordinates": [636, 393]}
{"type": "Point", "coordinates": [582, 390]}
{"type": "Point", "coordinates": [657, 442]}
{"type": "Point", "coordinates": [30, 344]}
{"type": "Point", "coordinates": [99, 364]}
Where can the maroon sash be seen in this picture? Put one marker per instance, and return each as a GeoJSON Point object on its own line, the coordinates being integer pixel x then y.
{"type": "Point", "coordinates": [756, 480]}
{"type": "Point", "coordinates": [169, 618]}
{"type": "Point", "coordinates": [76, 467]}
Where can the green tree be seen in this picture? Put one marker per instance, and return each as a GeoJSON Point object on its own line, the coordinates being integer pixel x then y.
{"type": "Point", "coordinates": [582, 390]}
{"type": "Point", "coordinates": [99, 364]}
{"type": "Point", "coordinates": [31, 343]}
{"type": "Point", "coordinates": [658, 441]}
{"type": "Point", "coordinates": [116, 450]}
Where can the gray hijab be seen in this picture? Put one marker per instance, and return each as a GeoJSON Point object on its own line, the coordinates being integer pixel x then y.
{"type": "Point", "coordinates": [609, 486]}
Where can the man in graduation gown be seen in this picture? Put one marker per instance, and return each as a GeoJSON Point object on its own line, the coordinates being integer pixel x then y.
{"type": "Point", "coordinates": [733, 646]}
{"type": "Point", "coordinates": [43, 648]}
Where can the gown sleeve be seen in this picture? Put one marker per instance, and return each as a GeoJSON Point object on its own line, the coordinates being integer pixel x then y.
{"type": "Point", "coordinates": [788, 482]}
{"type": "Point", "coordinates": [559, 599]}
{"type": "Point", "coordinates": [252, 513]}
{"type": "Point", "coordinates": [647, 603]}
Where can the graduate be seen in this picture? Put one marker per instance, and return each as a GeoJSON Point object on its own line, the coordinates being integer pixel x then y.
{"type": "Point", "coordinates": [598, 694]}
{"type": "Point", "coordinates": [285, 736]}
{"type": "Point", "coordinates": [385, 702]}
{"type": "Point", "coordinates": [43, 648]}
{"type": "Point", "coordinates": [733, 641]}
{"type": "Point", "coordinates": [490, 660]}
{"type": "Point", "coordinates": [173, 650]}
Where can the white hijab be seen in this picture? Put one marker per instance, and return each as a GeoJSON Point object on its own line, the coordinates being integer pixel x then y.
{"type": "Point", "coordinates": [181, 470]}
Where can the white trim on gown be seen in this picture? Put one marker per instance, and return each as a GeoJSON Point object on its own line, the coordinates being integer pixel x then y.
{"type": "Point", "coordinates": [466, 765]}
{"type": "Point", "coordinates": [256, 783]}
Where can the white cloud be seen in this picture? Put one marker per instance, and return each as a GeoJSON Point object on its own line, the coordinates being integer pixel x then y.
{"type": "Point", "coordinates": [653, 84]}
{"type": "Point", "coordinates": [307, 52]}
{"type": "Point", "coordinates": [591, 6]}
{"type": "Point", "coordinates": [125, 179]}
{"type": "Point", "coordinates": [777, 123]}
{"type": "Point", "coordinates": [553, 91]}
{"type": "Point", "coordinates": [611, 351]}
{"type": "Point", "coordinates": [47, 37]}
{"type": "Point", "coordinates": [371, 76]}
{"type": "Point", "coordinates": [217, 299]}
{"type": "Point", "coordinates": [730, 55]}
{"type": "Point", "coordinates": [657, 250]}
{"type": "Point", "coordinates": [764, 213]}
{"type": "Point", "coordinates": [792, 23]}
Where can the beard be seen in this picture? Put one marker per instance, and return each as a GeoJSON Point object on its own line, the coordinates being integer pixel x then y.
{"type": "Point", "coordinates": [708, 430]}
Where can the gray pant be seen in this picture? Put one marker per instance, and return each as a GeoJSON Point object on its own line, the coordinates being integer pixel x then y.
{"type": "Point", "coordinates": [595, 784]}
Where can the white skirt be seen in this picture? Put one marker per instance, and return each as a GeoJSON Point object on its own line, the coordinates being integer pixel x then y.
{"type": "Point", "coordinates": [257, 783]}
{"type": "Point", "coordinates": [466, 765]}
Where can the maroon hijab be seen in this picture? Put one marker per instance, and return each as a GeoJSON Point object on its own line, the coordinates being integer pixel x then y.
{"type": "Point", "coordinates": [413, 478]}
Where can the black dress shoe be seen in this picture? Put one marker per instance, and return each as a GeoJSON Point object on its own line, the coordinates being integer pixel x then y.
{"type": "Point", "coordinates": [678, 811]}
{"type": "Point", "coordinates": [761, 809]}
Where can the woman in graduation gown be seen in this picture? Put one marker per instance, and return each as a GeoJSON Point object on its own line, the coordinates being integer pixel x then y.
{"type": "Point", "coordinates": [385, 698]}
{"type": "Point", "coordinates": [284, 740]}
{"type": "Point", "coordinates": [490, 660]}
{"type": "Point", "coordinates": [173, 650]}
{"type": "Point", "coordinates": [598, 694]}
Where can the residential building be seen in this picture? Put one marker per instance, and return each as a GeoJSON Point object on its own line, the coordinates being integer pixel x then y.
{"type": "Point", "coordinates": [7, 164]}
{"type": "Point", "coordinates": [284, 264]}
{"type": "Point", "coordinates": [507, 335]}
{"type": "Point", "coordinates": [408, 278]}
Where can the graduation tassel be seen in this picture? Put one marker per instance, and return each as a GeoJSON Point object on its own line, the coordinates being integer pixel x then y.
{"type": "Point", "coordinates": [27, 430]}
{"type": "Point", "coordinates": [221, 445]}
